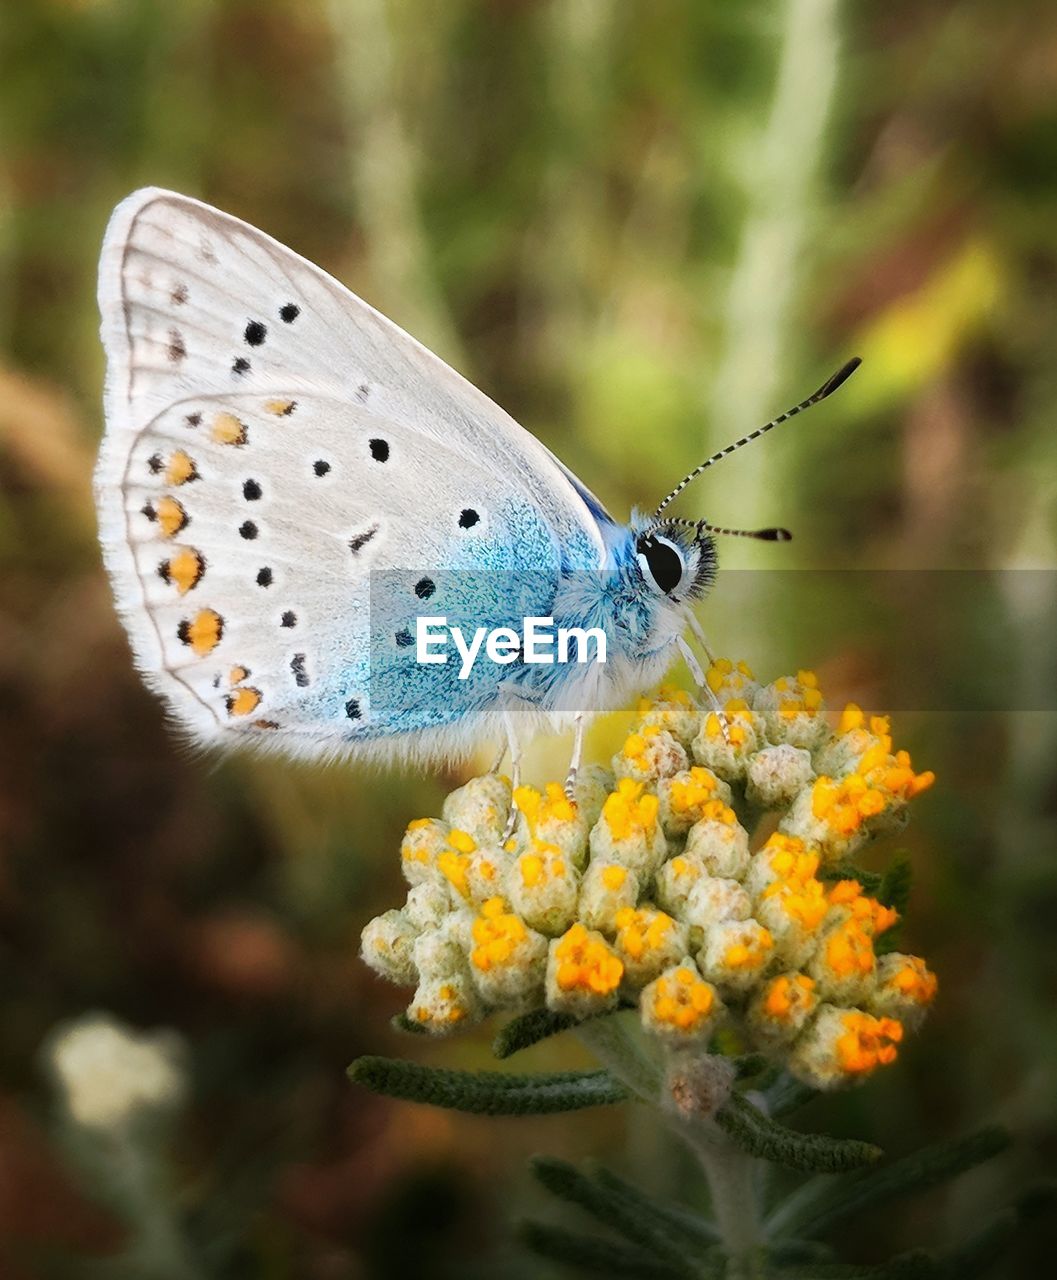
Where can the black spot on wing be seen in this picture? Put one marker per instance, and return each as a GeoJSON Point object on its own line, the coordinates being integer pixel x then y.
{"type": "Point", "coordinates": [240, 365]}
{"type": "Point", "coordinates": [251, 490]}
{"type": "Point", "coordinates": [352, 709]}
{"type": "Point", "coordinates": [289, 312]}
{"type": "Point", "coordinates": [297, 666]}
{"type": "Point", "coordinates": [248, 530]}
{"type": "Point", "coordinates": [320, 467]}
{"type": "Point", "coordinates": [379, 449]}
{"type": "Point", "coordinates": [424, 588]}
{"type": "Point", "coordinates": [264, 577]}
{"type": "Point", "coordinates": [289, 619]}
{"type": "Point", "coordinates": [359, 540]}
{"type": "Point", "coordinates": [404, 639]}
{"type": "Point", "coordinates": [254, 333]}
{"type": "Point", "coordinates": [468, 518]}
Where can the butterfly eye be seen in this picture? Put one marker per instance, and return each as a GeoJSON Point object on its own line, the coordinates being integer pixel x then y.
{"type": "Point", "coordinates": [661, 562]}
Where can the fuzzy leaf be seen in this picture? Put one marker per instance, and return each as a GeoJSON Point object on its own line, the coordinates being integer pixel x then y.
{"type": "Point", "coordinates": [401, 1022]}
{"type": "Point", "coordinates": [487, 1092]}
{"type": "Point", "coordinates": [696, 1230]}
{"type": "Point", "coordinates": [894, 891]}
{"type": "Point", "coordinates": [870, 880]}
{"type": "Point", "coordinates": [761, 1136]}
{"type": "Point", "coordinates": [603, 1257]}
{"type": "Point", "coordinates": [612, 1207]}
{"type": "Point", "coordinates": [822, 1203]}
{"type": "Point", "coordinates": [530, 1029]}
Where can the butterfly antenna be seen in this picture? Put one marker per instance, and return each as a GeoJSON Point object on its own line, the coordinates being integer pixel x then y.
{"type": "Point", "coordinates": [704, 526]}
{"type": "Point", "coordinates": [827, 389]}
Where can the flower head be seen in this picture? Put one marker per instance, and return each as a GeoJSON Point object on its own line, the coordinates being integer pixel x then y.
{"type": "Point", "coordinates": [651, 888]}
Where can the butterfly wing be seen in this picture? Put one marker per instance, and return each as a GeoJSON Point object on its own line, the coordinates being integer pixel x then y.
{"type": "Point", "coordinates": [273, 447]}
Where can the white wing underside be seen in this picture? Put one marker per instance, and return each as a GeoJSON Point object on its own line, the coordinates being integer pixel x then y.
{"type": "Point", "coordinates": [242, 501]}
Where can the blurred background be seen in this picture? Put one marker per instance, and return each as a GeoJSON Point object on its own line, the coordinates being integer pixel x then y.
{"type": "Point", "coordinates": [643, 229]}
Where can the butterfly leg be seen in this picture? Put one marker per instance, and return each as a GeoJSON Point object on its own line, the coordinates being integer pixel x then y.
{"type": "Point", "coordinates": [514, 747]}
{"type": "Point", "coordinates": [690, 658]}
{"type": "Point", "coordinates": [699, 635]}
{"type": "Point", "coordinates": [576, 757]}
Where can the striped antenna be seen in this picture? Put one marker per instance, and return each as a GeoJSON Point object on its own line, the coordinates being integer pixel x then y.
{"type": "Point", "coordinates": [827, 389]}
{"type": "Point", "coordinates": [704, 526]}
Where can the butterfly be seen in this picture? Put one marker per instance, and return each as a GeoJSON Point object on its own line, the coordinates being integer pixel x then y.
{"type": "Point", "coordinates": [288, 483]}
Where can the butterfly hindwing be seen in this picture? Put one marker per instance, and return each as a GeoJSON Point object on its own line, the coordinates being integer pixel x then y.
{"type": "Point", "coordinates": [273, 446]}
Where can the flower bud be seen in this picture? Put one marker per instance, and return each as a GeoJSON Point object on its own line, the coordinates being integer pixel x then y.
{"type": "Point", "coordinates": [780, 1010]}
{"type": "Point", "coordinates": [444, 1004]}
{"type": "Point", "coordinates": [674, 711]}
{"type": "Point", "coordinates": [423, 841]}
{"type": "Point", "coordinates": [776, 775]}
{"type": "Point", "coordinates": [428, 904]}
{"type": "Point", "coordinates": [555, 820]}
{"type": "Point", "coordinates": [843, 1046]}
{"type": "Point", "coordinates": [480, 807]}
{"type": "Point", "coordinates": [607, 888]}
{"type": "Point", "coordinates": [793, 711]}
{"type": "Point", "coordinates": [628, 831]}
{"type": "Point", "coordinates": [683, 798]}
{"type": "Point", "coordinates": [583, 973]}
{"type": "Point", "coordinates": [728, 752]}
{"type": "Point", "coordinates": [904, 988]}
{"type": "Point", "coordinates": [720, 841]}
{"type": "Point", "coordinates": [713, 900]}
{"type": "Point", "coordinates": [542, 887]}
{"type": "Point", "coordinates": [507, 958]}
{"type": "Point", "coordinates": [679, 1007]}
{"type": "Point", "coordinates": [387, 945]}
{"type": "Point", "coordinates": [648, 754]}
{"type": "Point", "coordinates": [729, 680]}
{"type": "Point", "coordinates": [647, 942]}
{"type": "Point", "coordinates": [735, 954]}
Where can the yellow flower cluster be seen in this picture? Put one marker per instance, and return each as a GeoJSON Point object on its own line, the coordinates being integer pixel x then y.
{"type": "Point", "coordinates": [651, 891]}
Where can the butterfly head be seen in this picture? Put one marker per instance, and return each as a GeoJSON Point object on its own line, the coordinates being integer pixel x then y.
{"type": "Point", "coordinates": [677, 560]}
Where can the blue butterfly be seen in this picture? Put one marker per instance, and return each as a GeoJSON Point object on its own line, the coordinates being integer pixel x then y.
{"type": "Point", "coordinates": [289, 485]}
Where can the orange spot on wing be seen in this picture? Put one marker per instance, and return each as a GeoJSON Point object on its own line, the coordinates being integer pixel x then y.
{"type": "Point", "coordinates": [202, 632]}
{"type": "Point", "coordinates": [227, 429]}
{"type": "Point", "coordinates": [243, 701]}
{"type": "Point", "coordinates": [280, 408]}
{"type": "Point", "coordinates": [184, 570]}
{"type": "Point", "coordinates": [181, 468]}
{"type": "Point", "coordinates": [170, 515]}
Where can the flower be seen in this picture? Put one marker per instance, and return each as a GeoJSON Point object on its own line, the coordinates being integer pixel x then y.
{"type": "Point", "coordinates": [109, 1074]}
{"type": "Point", "coordinates": [650, 889]}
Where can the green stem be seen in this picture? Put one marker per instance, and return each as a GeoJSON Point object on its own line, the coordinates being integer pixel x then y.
{"type": "Point", "coordinates": [731, 1176]}
{"type": "Point", "coordinates": [611, 1041]}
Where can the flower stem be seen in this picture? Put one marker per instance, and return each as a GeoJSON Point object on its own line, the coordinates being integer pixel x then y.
{"type": "Point", "coordinates": [611, 1041]}
{"type": "Point", "coordinates": [731, 1176]}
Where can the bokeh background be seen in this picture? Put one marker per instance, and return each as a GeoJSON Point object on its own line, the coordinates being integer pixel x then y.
{"type": "Point", "coordinates": [643, 228]}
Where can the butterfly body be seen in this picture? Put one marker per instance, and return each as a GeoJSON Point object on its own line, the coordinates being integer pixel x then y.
{"type": "Point", "coordinates": [287, 481]}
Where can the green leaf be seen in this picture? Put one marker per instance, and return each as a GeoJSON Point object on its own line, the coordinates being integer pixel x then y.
{"type": "Point", "coordinates": [870, 880]}
{"type": "Point", "coordinates": [916, 1265]}
{"type": "Point", "coordinates": [761, 1136]}
{"type": "Point", "coordinates": [747, 1065]}
{"type": "Point", "coordinates": [613, 1208]}
{"type": "Point", "coordinates": [487, 1092]}
{"type": "Point", "coordinates": [604, 1257]}
{"type": "Point", "coordinates": [698, 1231]}
{"type": "Point", "coordinates": [401, 1022]}
{"type": "Point", "coordinates": [894, 891]}
{"type": "Point", "coordinates": [530, 1029]}
{"type": "Point", "coordinates": [822, 1203]}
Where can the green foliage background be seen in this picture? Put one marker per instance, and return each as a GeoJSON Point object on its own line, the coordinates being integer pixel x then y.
{"type": "Point", "coordinates": [643, 228]}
